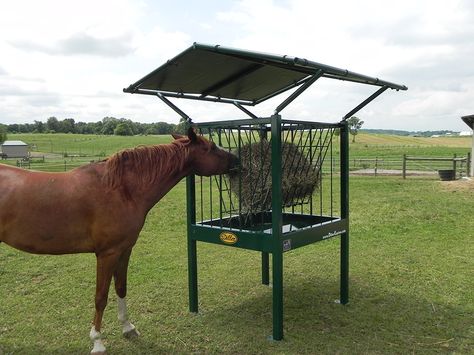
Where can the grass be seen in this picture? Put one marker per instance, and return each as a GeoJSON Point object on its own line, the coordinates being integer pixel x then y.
{"type": "Point", "coordinates": [410, 277]}
{"type": "Point", "coordinates": [411, 286]}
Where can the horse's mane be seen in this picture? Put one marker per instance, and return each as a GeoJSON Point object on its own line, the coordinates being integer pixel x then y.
{"type": "Point", "coordinates": [147, 163]}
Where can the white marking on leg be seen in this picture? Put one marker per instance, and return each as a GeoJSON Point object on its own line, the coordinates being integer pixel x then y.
{"type": "Point", "coordinates": [96, 337]}
{"type": "Point", "coordinates": [128, 329]}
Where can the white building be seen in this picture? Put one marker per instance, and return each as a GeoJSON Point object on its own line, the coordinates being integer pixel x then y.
{"type": "Point", "coordinates": [14, 149]}
{"type": "Point", "coordinates": [469, 120]}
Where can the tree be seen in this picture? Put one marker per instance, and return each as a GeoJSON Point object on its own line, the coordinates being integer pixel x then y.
{"type": "Point", "coordinates": [123, 129]}
{"type": "Point", "coordinates": [53, 124]}
{"type": "Point", "coordinates": [3, 133]}
{"type": "Point", "coordinates": [67, 125]}
{"type": "Point", "coordinates": [354, 125]}
{"type": "Point", "coordinates": [39, 127]}
{"type": "Point", "coordinates": [109, 124]}
{"type": "Point", "coordinates": [182, 126]}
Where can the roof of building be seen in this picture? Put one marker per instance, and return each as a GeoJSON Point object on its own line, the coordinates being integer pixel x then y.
{"type": "Point", "coordinates": [14, 143]}
{"type": "Point", "coordinates": [216, 73]}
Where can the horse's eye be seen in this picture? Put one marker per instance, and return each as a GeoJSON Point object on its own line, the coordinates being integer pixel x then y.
{"type": "Point", "coordinates": [213, 146]}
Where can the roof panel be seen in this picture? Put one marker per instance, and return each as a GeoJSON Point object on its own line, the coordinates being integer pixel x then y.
{"type": "Point", "coordinates": [469, 120]}
{"type": "Point", "coordinates": [214, 71]}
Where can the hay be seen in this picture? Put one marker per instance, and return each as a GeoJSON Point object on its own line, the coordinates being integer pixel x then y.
{"type": "Point", "coordinates": [253, 184]}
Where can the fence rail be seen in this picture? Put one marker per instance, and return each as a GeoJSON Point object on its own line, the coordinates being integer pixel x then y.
{"type": "Point", "coordinates": [460, 165]}
{"type": "Point", "coordinates": [394, 165]}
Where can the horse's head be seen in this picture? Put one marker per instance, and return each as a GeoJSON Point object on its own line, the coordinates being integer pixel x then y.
{"type": "Point", "coordinates": [206, 157]}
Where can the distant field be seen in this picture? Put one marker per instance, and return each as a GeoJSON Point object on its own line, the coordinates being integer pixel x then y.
{"type": "Point", "coordinates": [66, 151]}
{"type": "Point", "coordinates": [85, 144]}
{"type": "Point", "coordinates": [381, 145]}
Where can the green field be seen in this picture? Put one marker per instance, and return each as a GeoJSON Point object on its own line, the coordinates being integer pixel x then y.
{"type": "Point", "coordinates": [411, 284]}
{"type": "Point", "coordinates": [66, 151]}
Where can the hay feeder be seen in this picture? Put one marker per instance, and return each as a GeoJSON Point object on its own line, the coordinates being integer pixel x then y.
{"type": "Point", "coordinates": [292, 186]}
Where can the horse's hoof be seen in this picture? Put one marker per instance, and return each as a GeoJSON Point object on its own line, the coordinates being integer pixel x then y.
{"type": "Point", "coordinates": [131, 334]}
{"type": "Point", "coordinates": [99, 352]}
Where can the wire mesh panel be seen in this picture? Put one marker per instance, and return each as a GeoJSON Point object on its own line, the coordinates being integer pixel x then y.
{"type": "Point", "coordinates": [242, 199]}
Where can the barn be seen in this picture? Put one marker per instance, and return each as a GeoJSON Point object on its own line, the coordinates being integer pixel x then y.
{"type": "Point", "coordinates": [14, 149]}
{"type": "Point", "coordinates": [469, 120]}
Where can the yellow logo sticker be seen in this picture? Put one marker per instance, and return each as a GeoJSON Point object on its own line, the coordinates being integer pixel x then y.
{"type": "Point", "coordinates": [228, 237]}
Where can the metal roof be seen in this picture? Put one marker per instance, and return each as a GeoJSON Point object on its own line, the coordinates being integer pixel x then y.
{"type": "Point", "coordinates": [216, 73]}
{"type": "Point", "coordinates": [469, 120]}
{"type": "Point", "coordinates": [13, 143]}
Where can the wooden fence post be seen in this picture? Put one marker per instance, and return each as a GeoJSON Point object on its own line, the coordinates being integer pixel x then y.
{"type": "Point", "coordinates": [404, 173]}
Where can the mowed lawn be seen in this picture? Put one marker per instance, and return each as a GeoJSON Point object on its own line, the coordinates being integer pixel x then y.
{"type": "Point", "coordinates": [411, 267]}
{"type": "Point", "coordinates": [411, 285]}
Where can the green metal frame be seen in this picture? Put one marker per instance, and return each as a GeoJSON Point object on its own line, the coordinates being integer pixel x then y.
{"type": "Point", "coordinates": [276, 242]}
{"type": "Point", "coordinates": [240, 75]}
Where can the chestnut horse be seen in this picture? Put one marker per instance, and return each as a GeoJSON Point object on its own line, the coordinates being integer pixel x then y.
{"type": "Point", "coordinates": [100, 208]}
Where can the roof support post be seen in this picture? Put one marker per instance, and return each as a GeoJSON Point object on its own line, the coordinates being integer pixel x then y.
{"type": "Point", "coordinates": [298, 91]}
{"type": "Point", "coordinates": [365, 102]}
{"type": "Point", "coordinates": [239, 106]}
{"type": "Point", "coordinates": [173, 107]}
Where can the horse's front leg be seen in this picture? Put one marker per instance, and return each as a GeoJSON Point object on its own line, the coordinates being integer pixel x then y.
{"type": "Point", "coordinates": [106, 266]}
{"type": "Point", "coordinates": [120, 277]}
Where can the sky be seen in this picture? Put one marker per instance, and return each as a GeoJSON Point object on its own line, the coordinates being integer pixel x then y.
{"type": "Point", "coordinates": [71, 59]}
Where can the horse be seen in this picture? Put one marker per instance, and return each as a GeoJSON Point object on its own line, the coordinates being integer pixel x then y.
{"type": "Point", "coordinates": [101, 208]}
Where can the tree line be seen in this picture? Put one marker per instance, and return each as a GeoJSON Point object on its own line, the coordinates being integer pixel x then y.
{"type": "Point", "coordinates": [106, 126]}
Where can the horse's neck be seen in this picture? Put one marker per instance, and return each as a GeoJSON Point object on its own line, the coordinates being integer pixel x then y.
{"type": "Point", "coordinates": [163, 184]}
{"type": "Point", "coordinates": [163, 181]}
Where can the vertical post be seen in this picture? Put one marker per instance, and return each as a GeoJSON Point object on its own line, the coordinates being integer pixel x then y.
{"type": "Point", "coordinates": [404, 166]}
{"type": "Point", "coordinates": [265, 269]}
{"type": "Point", "coordinates": [277, 252]}
{"type": "Point", "coordinates": [192, 247]}
{"type": "Point", "coordinates": [454, 165]}
{"type": "Point", "coordinates": [468, 164]}
{"type": "Point", "coordinates": [344, 268]}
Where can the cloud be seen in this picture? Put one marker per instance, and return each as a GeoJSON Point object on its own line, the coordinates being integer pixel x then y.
{"type": "Point", "coordinates": [82, 44]}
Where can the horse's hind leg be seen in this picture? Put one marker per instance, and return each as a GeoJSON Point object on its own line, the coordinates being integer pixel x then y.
{"type": "Point", "coordinates": [120, 277]}
{"type": "Point", "coordinates": [106, 265]}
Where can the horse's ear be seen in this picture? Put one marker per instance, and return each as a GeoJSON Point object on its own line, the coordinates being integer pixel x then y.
{"type": "Point", "coordinates": [192, 135]}
{"type": "Point", "coordinates": [177, 136]}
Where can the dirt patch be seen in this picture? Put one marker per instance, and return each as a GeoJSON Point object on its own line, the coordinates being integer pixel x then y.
{"type": "Point", "coordinates": [458, 185]}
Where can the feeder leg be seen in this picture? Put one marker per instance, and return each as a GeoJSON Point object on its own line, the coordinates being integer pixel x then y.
{"type": "Point", "coordinates": [265, 269]}
{"type": "Point", "coordinates": [277, 273]}
{"type": "Point", "coordinates": [192, 276]}
{"type": "Point", "coordinates": [344, 297]}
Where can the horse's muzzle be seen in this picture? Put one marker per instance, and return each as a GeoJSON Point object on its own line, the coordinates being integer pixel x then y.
{"type": "Point", "coordinates": [234, 163]}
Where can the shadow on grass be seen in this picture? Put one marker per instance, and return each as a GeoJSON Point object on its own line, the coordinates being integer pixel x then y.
{"type": "Point", "coordinates": [374, 321]}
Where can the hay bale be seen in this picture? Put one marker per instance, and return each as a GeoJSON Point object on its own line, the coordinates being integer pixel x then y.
{"type": "Point", "coordinates": [253, 186]}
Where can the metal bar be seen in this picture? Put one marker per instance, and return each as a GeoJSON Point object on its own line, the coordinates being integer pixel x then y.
{"type": "Point", "coordinates": [189, 96]}
{"type": "Point", "coordinates": [298, 91]}
{"type": "Point", "coordinates": [239, 106]}
{"type": "Point", "coordinates": [192, 248]}
{"type": "Point", "coordinates": [277, 253]}
{"type": "Point", "coordinates": [265, 269]}
{"type": "Point", "coordinates": [173, 107]}
{"type": "Point", "coordinates": [344, 268]}
{"type": "Point", "coordinates": [365, 102]}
